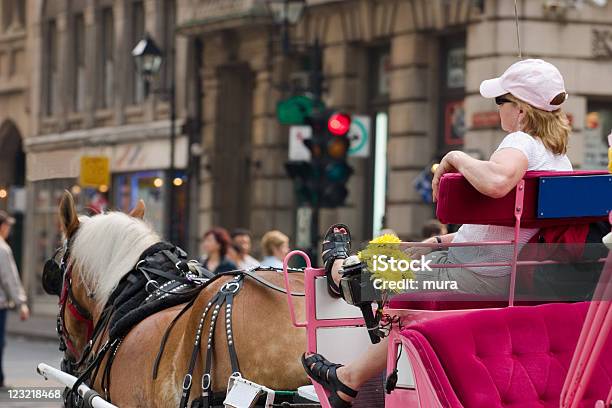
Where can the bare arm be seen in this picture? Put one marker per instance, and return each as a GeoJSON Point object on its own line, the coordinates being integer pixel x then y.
{"type": "Point", "coordinates": [494, 178]}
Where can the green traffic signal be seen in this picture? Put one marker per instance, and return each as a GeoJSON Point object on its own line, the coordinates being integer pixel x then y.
{"type": "Point", "coordinates": [338, 172]}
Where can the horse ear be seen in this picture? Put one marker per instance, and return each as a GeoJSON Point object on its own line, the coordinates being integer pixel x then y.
{"type": "Point", "coordinates": [139, 210]}
{"type": "Point", "coordinates": [69, 219]}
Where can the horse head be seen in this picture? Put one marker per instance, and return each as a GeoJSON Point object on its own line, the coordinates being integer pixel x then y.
{"type": "Point", "coordinates": [80, 271]}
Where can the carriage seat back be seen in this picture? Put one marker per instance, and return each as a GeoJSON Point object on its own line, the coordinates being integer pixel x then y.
{"type": "Point", "coordinates": [506, 358]}
{"type": "Point", "coordinates": [551, 198]}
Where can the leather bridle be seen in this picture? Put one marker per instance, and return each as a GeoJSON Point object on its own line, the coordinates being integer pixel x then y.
{"type": "Point", "coordinates": [68, 301]}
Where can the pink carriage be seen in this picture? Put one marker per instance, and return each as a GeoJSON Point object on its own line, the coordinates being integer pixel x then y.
{"type": "Point", "coordinates": [450, 353]}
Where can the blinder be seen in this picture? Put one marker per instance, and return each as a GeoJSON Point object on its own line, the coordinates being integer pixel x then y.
{"type": "Point", "coordinates": [53, 276]}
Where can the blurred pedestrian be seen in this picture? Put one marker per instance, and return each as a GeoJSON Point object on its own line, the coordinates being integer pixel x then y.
{"type": "Point", "coordinates": [241, 238]}
{"type": "Point", "coordinates": [215, 244]}
{"type": "Point", "coordinates": [433, 228]}
{"type": "Point", "coordinates": [233, 254]}
{"type": "Point", "coordinates": [11, 290]}
{"type": "Point", "coordinates": [275, 246]}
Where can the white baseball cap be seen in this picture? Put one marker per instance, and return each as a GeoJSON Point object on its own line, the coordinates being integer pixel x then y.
{"type": "Point", "coordinates": [534, 81]}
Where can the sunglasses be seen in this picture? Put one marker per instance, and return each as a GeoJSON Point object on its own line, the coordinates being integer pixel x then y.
{"type": "Point", "coordinates": [500, 100]}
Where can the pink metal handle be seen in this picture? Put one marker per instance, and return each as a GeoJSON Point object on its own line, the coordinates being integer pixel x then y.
{"type": "Point", "coordinates": [288, 287]}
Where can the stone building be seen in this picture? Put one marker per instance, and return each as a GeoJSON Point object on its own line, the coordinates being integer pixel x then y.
{"type": "Point", "coordinates": [412, 66]}
{"type": "Point", "coordinates": [89, 99]}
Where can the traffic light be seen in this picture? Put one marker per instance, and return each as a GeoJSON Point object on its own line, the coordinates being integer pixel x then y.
{"type": "Point", "coordinates": [321, 182]}
{"type": "Point", "coordinates": [336, 170]}
{"type": "Point", "coordinates": [305, 176]}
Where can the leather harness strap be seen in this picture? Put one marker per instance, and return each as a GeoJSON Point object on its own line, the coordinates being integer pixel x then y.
{"type": "Point", "coordinates": [224, 296]}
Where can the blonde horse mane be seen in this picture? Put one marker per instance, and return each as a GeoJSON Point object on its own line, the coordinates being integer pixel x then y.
{"type": "Point", "coordinates": [106, 247]}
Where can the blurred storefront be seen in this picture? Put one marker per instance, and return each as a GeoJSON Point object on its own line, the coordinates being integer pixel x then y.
{"type": "Point", "coordinates": [138, 170]}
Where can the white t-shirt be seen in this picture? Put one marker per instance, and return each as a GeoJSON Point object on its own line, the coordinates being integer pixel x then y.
{"type": "Point", "coordinates": [538, 158]}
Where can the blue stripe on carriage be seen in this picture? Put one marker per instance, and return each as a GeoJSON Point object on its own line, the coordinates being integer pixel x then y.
{"type": "Point", "coordinates": [574, 196]}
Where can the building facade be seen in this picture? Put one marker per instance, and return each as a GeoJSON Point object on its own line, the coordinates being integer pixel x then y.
{"type": "Point", "coordinates": [411, 68]}
{"type": "Point", "coordinates": [89, 100]}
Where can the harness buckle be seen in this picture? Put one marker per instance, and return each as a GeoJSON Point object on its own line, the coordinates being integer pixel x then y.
{"type": "Point", "coordinates": [187, 382]}
{"type": "Point", "coordinates": [231, 287]}
{"type": "Point", "coordinates": [205, 385]}
{"type": "Point", "coordinates": [152, 283]}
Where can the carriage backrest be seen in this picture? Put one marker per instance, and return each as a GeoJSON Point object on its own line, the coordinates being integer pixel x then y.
{"type": "Point", "coordinates": [511, 357]}
{"type": "Point", "coordinates": [550, 198]}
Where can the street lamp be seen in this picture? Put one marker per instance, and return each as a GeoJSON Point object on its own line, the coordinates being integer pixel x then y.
{"type": "Point", "coordinates": [149, 57]}
{"type": "Point", "coordinates": [286, 13]}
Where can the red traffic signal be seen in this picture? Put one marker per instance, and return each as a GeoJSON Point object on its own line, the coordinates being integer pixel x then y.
{"type": "Point", "coordinates": [339, 124]}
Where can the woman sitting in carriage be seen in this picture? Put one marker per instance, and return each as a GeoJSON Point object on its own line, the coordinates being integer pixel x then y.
{"type": "Point", "coordinates": [529, 94]}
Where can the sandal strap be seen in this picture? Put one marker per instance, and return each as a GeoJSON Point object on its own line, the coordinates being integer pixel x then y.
{"type": "Point", "coordinates": [336, 244]}
{"type": "Point", "coordinates": [326, 373]}
{"type": "Point", "coordinates": [340, 386]}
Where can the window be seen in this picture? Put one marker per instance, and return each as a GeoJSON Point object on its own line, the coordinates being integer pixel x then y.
{"type": "Point", "coordinates": [138, 33]}
{"type": "Point", "coordinates": [20, 10]}
{"type": "Point", "coordinates": [50, 69]}
{"type": "Point", "coordinates": [168, 42]}
{"type": "Point", "coordinates": [107, 47]}
{"type": "Point", "coordinates": [7, 14]}
{"type": "Point", "coordinates": [13, 15]}
{"type": "Point", "coordinates": [78, 95]}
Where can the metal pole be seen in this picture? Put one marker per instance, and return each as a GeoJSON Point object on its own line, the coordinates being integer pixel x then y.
{"type": "Point", "coordinates": [170, 206]}
{"type": "Point", "coordinates": [92, 397]}
{"type": "Point", "coordinates": [316, 84]}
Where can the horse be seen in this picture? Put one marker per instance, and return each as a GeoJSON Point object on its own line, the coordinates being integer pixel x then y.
{"type": "Point", "coordinates": [100, 250]}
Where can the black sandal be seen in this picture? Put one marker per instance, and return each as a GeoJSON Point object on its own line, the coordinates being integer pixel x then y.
{"type": "Point", "coordinates": [324, 372]}
{"type": "Point", "coordinates": [336, 245]}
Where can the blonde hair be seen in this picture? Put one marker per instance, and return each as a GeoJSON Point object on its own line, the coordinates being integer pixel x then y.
{"type": "Point", "coordinates": [271, 240]}
{"type": "Point", "coordinates": [552, 128]}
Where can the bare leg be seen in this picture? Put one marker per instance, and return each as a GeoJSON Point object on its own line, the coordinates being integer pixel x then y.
{"type": "Point", "coordinates": [366, 366]}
